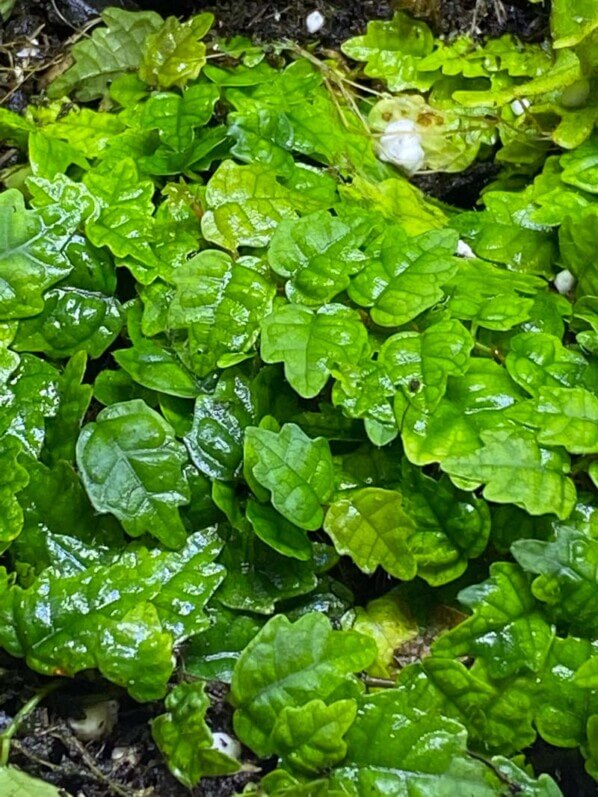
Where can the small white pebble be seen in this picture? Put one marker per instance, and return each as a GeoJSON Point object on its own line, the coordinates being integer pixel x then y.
{"type": "Point", "coordinates": [128, 756]}
{"type": "Point", "coordinates": [519, 106]}
{"type": "Point", "coordinates": [401, 144]}
{"type": "Point", "coordinates": [99, 721]}
{"type": "Point", "coordinates": [564, 281]}
{"type": "Point", "coordinates": [464, 250]}
{"type": "Point", "coordinates": [226, 744]}
{"type": "Point", "coordinates": [314, 22]}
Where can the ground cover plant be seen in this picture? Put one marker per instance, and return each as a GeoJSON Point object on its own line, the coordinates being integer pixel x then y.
{"type": "Point", "coordinates": [272, 417]}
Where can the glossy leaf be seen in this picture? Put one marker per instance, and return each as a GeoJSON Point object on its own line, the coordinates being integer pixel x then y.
{"type": "Point", "coordinates": [124, 627]}
{"type": "Point", "coordinates": [132, 466]}
{"type": "Point", "coordinates": [311, 343]}
{"type": "Point", "coordinates": [173, 55]}
{"type": "Point", "coordinates": [288, 665]}
{"type": "Point", "coordinates": [185, 739]}
{"type": "Point", "coordinates": [296, 470]}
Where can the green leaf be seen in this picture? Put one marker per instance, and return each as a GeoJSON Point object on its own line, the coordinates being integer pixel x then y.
{"type": "Point", "coordinates": [173, 55]}
{"type": "Point", "coordinates": [317, 254]}
{"type": "Point", "coordinates": [580, 166]}
{"type": "Point", "coordinates": [498, 716]}
{"type": "Point", "coordinates": [517, 470]}
{"type": "Point", "coordinates": [490, 296]}
{"type": "Point", "coordinates": [536, 360]}
{"type": "Point", "coordinates": [13, 479]}
{"type": "Point", "coordinates": [258, 577]}
{"type": "Point", "coordinates": [287, 666]}
{"type": "Point", "coordinates": [451, 526]}
{"type": "Point", "coordinates": [215, 442]}
{"type": "Point", "coordinates": [563, 416]}
{"type": "Point", "coordinates": [184, 738]}
{"type": "Point", "coordinates": [221, 302]}
{"type": "Point", "coordinates": [571, 21]}
{"type": "Point", "coordinates": [245, 205]}
{"type": "Point", "coordinates": [311, 343]}
{"type": "Point", "coordinates": [296, 470]}
{"type": "Point", "coordinates": [212, 654]}
{"type": "Point", "coordinates": [392, 51]}
{"type": "Point", "coordinates": [420, 363]}
{"type": "Point", "coordinates": [132, 466]}
{"type": "Point", "coordinates": [372, 527]}
{"type": "Point", "coordinates": [72, 321]}
{"type": "Point", "coordinates": [404, 275]}
{"type": "Point", "coordinates": [123, 626]}
{"type": "Point", "coordinates": [310, 738]}
{"type": "Point", "coordinates": [395, 750]}
{"type": "Point", "coordinates": [577, 242]}
{"type": "Point", "coordinates": [14, 783]}
{"type": "Point", "coordinates": [32, 256]}
{"type": "Point", "coordinates": [507, 630]}
{"type": "Point", "coordinates": [108, 53]}
{"type": "Point", "coordinates": [567, 580]}
{"type": "Point", "coordinates": [62, 429]}
{"type": "Point", "coordinates": [564, 706]}
{"type": "Point", "coordinates": [28, 396]}
{"type": "Point", "coordinates": [157, 368]}
{"type": "Point", "coordinates": [277, 532]}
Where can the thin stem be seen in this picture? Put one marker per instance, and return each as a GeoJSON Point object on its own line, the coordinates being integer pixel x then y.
{"type": "Point", "coordinates": [29, 707]}
{"type": "Point", "coordinates": [378, 683]}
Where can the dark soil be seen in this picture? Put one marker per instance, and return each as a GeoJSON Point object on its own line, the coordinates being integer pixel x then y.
{"type": "Point", "coordinates": [127, 762]}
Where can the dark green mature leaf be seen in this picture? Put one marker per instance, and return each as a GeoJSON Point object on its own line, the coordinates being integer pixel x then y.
{"type": "Point", "coordinates": [173, 55]}
{"type": "Point", "coordinates": [564, 707]}
{"type": "Point", "coordinates": [72, 320]}
{"type": "Point", "coordinates": [123, 626]}
{"type": "Point", "coordinates": [498, 716]}
{"type": "Point", "coordinates": [62, 429]}
{"type": "Point", "coordinates": [132, 466]}
{"type": "Point", "coordinates": [32, 256]}
{"type": "Point", "coordinates": [404, 275]}
{"type": "Point", "coordinates": [13, 479]}
{"type": "Point", "coordinates": [567, 580]}
{"type": "Point", "coordinates": [108, 53]}
{"type": "Point", "coordinates": [221, 302]}
{"type": "Point", "coordinates": [317, 254]}
{"type": "Point", "coordinates": [296, 470]}
{"type": "Point", "coordinates": [258, 577]}
{"type": "Point", "coordinates": [507, 630]}
{"type": "Point", "coordinates": [185, 739]}
{"type": "Point", "coordinates": [288, 665]}
{"type": "Point", "coordinates": [277, 532]}
{"type": "Point", "coordinates": [311, 343]}
{"type": "Point", "coordinates": [395, 749]}
{"type": "Point", "coordinates": [215, 442]}
{"type": "Point", "coordinates": [29, 394]}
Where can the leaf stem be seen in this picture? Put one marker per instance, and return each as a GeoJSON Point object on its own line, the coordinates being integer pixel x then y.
{"type": "Point", "coordinates": [29, 707]}
{"type": "Point", "coordinates": [378, 683]}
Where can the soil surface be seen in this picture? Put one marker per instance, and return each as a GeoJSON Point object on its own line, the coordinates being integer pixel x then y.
{"type": "Point", "coordinates": [127, 763]}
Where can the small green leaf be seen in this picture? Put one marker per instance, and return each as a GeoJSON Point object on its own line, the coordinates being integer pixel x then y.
{"type": "Point", "coordinates": [277, 532]}
{"type": "Point", "coordinates": [288, 665]}
{"type": "Point", "coordinates": [108, 53]}
{"type": "Point", "coordinates": [296, 470]}
{"type": "Point", "coordinates": [310, 738]}
{"type": "Point", "coordinates": [567, 580]}
{"type": "Point", "coordinates": [221, 302]}
{"type": "Point", "coordinates": [132, 466]}
{"type": "Point", "coordinates": [317, 254]}
{"type": "Point", "coordinates": [173, 55]}
{"type": "Point", "coordinates": [245, 205]}
{"type": "Point", "coordinates": [311, 343]}
{"type": "Point", "coordinates": [13, 479]}
{"type": "Point", "coordinates": [507, 630]}
{"type": "Point", "coordinates": [536, 360]}
{"type": "Point", "coordinates": [157, 368]}
{"type": "Point", "coordinates": [372, 527]}
{"type": "Point", "coordinates": [403, 275]}
{"type": "Point", "coordinates": [517, 470]}
{"type": "Point", "coordinates": [563, 416]}
{"type": "Point", "coordinates": [184, 738]}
